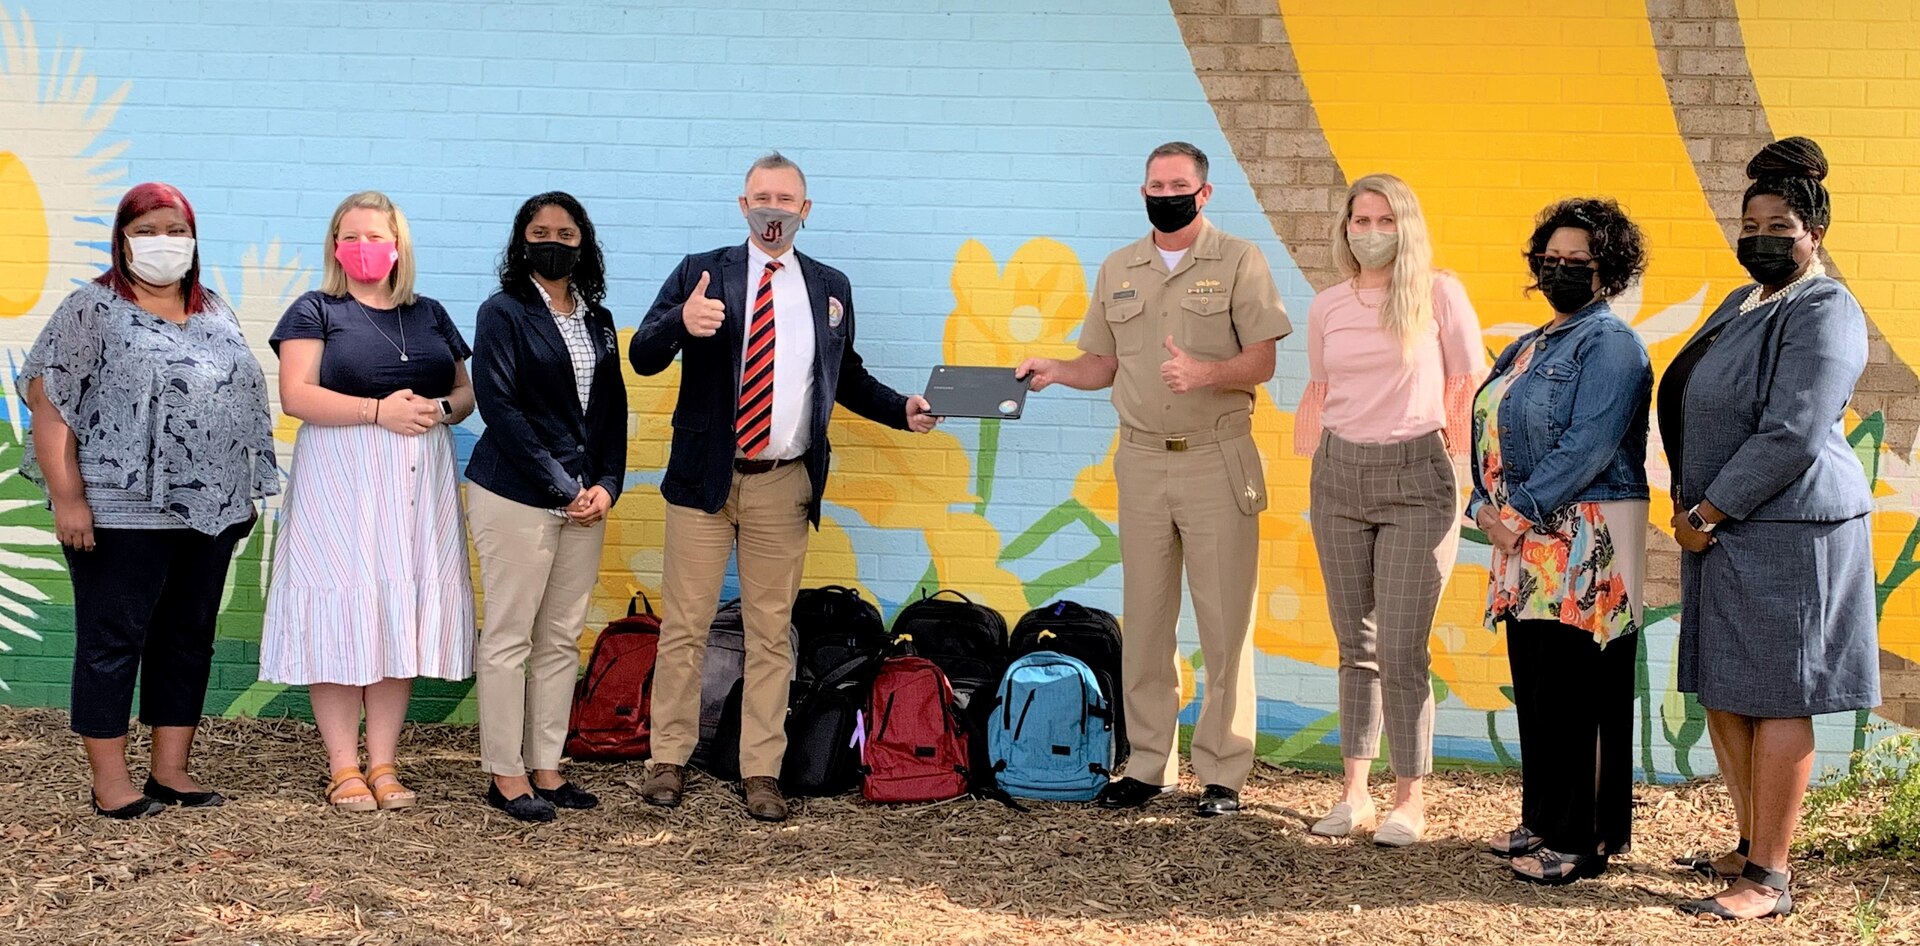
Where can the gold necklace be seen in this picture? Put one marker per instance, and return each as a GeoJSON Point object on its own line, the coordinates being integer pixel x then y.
{"type": "Point", "coordinates": [1354, 285]}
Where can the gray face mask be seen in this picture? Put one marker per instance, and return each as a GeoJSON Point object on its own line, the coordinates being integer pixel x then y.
{"type": "Point", "coordinates": [1373, 248]}
{"type": "Point", "coordinates": [773, 227]}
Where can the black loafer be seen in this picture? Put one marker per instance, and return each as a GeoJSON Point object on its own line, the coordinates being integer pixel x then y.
{"type": "Point", "coordinates": [568, 795]}
{"type": "Point", "coordinates": [165, 795]}
{"type": "Point", "coordinates": [142, 807]}
{"type": "Point", "coordinates": [1217, 800]}
{"type": "Point", "coordinates": [1127, 793]}
{"type": "Point", "coordinates": [528, 807]}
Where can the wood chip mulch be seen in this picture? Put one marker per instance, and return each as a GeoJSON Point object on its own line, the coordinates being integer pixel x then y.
{"type": "Point", "coordinates": [276, 867]}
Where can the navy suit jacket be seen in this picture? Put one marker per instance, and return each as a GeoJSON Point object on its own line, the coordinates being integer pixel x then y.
{"type": "Point", "coordinates": [539, 448]}
{"type": "Point", "coordinates": [700, 469]}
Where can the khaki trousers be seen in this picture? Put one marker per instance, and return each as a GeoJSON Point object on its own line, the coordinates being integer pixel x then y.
{"type": "Point", "coordinates": [765, 521]}
{"type": "Point", "coordinates": [537, 572]}
{"type": "Point", "coordinates": [1199, 509]}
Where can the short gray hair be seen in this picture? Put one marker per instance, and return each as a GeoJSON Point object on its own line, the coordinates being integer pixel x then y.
{"type": "Point", "coordinates": [774, 160]}
{"type": "Point", "coordinates": [1173, 148]}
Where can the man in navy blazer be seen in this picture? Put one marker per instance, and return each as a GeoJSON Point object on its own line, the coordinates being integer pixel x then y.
{"type": "Point", "coordinates": [765, 337]}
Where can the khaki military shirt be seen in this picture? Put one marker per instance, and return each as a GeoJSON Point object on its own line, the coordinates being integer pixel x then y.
{"type": "Point", "coordinates": [1220, 299]}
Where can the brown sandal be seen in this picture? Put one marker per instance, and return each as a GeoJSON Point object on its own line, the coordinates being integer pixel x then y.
{"type": "Point", "coordinates": [392, 795]}
{"type": "Point", "coordinates": [339, 797]}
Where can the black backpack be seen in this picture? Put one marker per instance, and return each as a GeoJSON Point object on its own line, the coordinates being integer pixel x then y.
{"type": "Point", "coordinates": [835, 624]}
{"type": "Point", "coordinates": [722, 679]}
{"type": "Point", "coordinates": [1089, 635]}
{"type": "Point", "coordinates": [967, 641]}
{"type": "Point", "coordinates": [823, 720]}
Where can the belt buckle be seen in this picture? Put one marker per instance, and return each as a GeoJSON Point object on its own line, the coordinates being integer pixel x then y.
{"type": "Point", "coordinates": [1176, 443]}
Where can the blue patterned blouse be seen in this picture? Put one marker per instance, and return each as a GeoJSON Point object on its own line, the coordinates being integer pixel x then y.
{"type": "Point", "coordinates": [171, 421]}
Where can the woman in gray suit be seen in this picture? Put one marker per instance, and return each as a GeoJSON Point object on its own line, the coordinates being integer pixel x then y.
{"type": "Point", "coordinates": [1771, 507]}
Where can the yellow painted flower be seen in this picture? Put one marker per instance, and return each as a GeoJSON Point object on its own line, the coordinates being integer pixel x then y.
{"type": "Point", "coordinates": [1031, 309]}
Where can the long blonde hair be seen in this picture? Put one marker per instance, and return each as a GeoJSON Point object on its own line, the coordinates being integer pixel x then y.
{"type": "Point", "coordinates": [1409, 304]}
{"type": "Point", "coordinates": [400, 281]}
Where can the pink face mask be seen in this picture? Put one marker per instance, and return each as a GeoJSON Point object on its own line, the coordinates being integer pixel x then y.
{"type": "Point", "coordinates": [365, 261]}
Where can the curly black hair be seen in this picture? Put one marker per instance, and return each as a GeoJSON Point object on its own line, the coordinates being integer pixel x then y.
{"type": "Point", "coordinates": [1619, 248]}
{"type": "Point", "coordinates": [516, 272]}
{"type": "Point", "coordinates": [1792, 169]}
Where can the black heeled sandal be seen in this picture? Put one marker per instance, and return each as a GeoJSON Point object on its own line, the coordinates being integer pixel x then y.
{"type": "Point", "coordinates": [1557, 869]}
{"type": "Point", "coordinates": [1704, 865]}
{"type": "Point", "coordinates": [1520, 843]}
{"type": "Point", "coordinates": [1755, 874]}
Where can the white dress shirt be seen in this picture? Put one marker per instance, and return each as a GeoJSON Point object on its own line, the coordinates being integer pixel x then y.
{"type": "Point", "coordinates": [793, 346]}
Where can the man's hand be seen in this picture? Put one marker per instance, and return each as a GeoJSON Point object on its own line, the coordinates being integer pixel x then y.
{"type": "Point", "coordinates": [590, 506]}
{"type": "Point", "coordinates": [703, 316]}
{"type": "Point", "coordinates": [1038, 373]}
{"type": "Point", "coordinates": [1182, 373]}
{"type": "Point", "coordinates": [918, 420]}
{"type": "Point", "coordinates": [73, 524]}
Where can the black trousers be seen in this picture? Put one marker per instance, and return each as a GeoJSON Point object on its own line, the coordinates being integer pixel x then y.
{"type": "Point", "coordinates": [145, 604]}
{"type": "Point", "coordinates": [1574, 704]}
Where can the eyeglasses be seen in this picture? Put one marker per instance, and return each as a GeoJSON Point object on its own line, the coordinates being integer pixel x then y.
{"type": "Point", "coordinates": [1542, 261]}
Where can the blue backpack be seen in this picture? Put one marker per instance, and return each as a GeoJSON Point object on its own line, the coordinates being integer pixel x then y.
{"type": "Point", "coordinates": [1051, 733]}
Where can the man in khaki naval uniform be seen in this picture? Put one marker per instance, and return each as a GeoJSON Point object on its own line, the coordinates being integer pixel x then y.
{"type": "Point", "coordinates": [1183, 325]}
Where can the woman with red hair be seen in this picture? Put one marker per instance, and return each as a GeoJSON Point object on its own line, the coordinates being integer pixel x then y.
{"type": "Point", "coordinates": [152, 440]}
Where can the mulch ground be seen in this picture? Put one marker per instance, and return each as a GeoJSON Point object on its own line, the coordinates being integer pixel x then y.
{"type": "Point", "coordinates": [275, 867]}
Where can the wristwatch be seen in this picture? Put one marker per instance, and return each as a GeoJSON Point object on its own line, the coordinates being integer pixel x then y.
{"type": "Point", "coordinates": [446, 407]}
{"type": "Point", "coordinates": [1699, 522]}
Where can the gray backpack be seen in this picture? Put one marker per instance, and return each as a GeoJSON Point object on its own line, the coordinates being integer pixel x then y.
{"type": "Point", "coordinates": [722, 677]}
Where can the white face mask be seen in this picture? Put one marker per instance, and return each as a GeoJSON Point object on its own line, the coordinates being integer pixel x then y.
{"type": "Point", "coordinates": [1373, 248]}
{"type": "Point", "coordinates": [160, 260]}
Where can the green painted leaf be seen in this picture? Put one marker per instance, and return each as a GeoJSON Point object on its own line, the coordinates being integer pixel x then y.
{"type": "Point", "coordinates": [986, 461]}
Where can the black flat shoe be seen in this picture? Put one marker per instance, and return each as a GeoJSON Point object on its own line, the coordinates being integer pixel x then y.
{"type": "Point", "coordinates": [1770, 879]}
{"type": "Point", "coordinates": [141, 808]}
{"type": "Point", "coordinates": [1217, 800]}
{"type": "Point", "coordinates": [161, 793]}
{"type": "Point", "coordinates": [1704, 865]}
{"type": "Point", "coordinates": [1558, 870]}
{"type": "Point", "coordinates": [529, 807]}
{"type": "Point", "coordinates": [1127, 793]}
{"type": "Point", "coordinates": [568, 795]}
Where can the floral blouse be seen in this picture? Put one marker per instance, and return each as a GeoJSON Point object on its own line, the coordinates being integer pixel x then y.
{"type": "Point", "coordinates": [171, 421]}
{"type": "Point", "coordinates": [1569, 569]}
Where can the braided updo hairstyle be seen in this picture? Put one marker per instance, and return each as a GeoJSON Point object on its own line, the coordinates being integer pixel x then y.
{"type": "Point", "coordinates": [1792, 169]}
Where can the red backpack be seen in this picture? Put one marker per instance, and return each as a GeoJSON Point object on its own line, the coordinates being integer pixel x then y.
{"type": "Point", "coordinates": [914, 745]}
{"type": "Point", "coordinates": [613, 704]}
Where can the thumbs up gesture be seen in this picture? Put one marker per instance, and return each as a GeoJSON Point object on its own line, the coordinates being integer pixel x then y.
{"type": "Point", "coordinates": [1182, 373]}
{"type": "Point", "coordinates": [702, 315]}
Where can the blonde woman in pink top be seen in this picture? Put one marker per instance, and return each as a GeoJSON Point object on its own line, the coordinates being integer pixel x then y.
{"type": "Point", "coordinates": [1393, 356]}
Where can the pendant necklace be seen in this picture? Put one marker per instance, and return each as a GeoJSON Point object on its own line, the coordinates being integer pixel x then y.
{"type": "Point", "coordinates": [402, 346]}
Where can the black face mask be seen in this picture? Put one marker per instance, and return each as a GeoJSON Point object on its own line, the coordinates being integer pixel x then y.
{"type": "Point", "coordinates": [1170, 213]}
{"type": "Point", "coordinates": [1768, 259]}
{"type": "Point", "coordinates": [553, 260]}
{"type": "Point", "coordinates": [1568, 287]}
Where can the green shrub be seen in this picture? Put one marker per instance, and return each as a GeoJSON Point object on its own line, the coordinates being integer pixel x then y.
{"type": "Point", "coordinates": [1871, 810]}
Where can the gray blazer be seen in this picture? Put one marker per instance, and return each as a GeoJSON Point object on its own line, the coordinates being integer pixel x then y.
{"type": "Point", "coordinates": [1765, 407]}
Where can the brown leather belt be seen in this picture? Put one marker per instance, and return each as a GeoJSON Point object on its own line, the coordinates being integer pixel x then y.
{"type": "Point", "coordinates": [752, 467]}
{"type": "Point", "coordinates": [1201, 438]}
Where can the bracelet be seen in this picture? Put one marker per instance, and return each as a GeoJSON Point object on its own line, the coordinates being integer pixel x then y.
{"type": "Point", "coordinates": [376, 410]}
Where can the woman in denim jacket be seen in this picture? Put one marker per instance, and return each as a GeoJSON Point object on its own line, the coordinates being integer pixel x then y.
{"type": "Point", "coordinates": [1771, 506]}
{"type": "Point", "coordinates": [1560, 488]}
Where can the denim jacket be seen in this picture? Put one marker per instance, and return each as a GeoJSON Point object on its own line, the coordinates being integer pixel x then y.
{"type": "Point", "coordinates": [1574, 427]}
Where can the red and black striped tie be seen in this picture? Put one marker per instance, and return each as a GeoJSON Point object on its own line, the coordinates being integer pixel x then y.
{"type": "Point", "coordinates": [755, 426]}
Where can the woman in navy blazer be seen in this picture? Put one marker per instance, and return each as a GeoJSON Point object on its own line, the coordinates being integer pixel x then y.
{"type": "Point", "coordinates": [546, 375]}
{"type": "Point", "coordinates": [1771, 506]}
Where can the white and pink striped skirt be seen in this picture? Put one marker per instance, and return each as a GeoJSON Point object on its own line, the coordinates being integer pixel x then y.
{"type": "Point", "coordinates": [370, 576]}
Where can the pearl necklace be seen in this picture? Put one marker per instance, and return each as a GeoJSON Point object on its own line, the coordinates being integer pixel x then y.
{"type": "Point", "coordinates": [1758, 297]}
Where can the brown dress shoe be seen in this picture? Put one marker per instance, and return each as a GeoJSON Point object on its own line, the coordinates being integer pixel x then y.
{"type": "Point", "coordinates": [665, 785]}
{"type": "Point", "coordinates": [764, 801]}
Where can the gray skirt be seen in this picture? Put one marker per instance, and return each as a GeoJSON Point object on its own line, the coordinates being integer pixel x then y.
{"type": "Point", "coordinates": [1779, 621]}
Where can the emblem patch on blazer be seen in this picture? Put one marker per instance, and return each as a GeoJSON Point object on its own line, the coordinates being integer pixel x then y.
{"type": "Point", "coordinates": [835, 312]}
